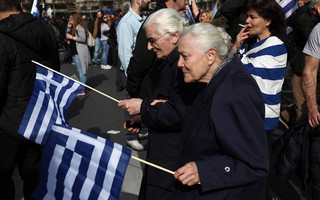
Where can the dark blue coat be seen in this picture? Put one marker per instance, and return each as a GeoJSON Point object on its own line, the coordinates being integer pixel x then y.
{"type": "Point", "coordinates": [224, 134]}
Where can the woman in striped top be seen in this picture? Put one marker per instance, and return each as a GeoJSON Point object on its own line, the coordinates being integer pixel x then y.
{"type": "Point", "coordinates": [263, 52]}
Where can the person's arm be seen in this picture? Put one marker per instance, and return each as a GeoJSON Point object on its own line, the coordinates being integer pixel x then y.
{"type": "Point", "coordinates": [195, 9]}
{"type": "Point", "coordinates": [81, 36]}
{"type": "Point", "coordinates": [241, 37]}
{"type": "Point", "coordinates": [309, 86]}
{"type": "Point", "coordinates": [125, 41]}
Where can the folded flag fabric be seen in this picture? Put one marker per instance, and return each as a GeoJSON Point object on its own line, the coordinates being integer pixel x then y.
{"type": "Point", "coordinates": [52, 95]}
{"type": "Point", "coordinates": [289, 6]}
{"type": "Point", "coordinates": [80, 165]}
{"type": "Point", "coordinates": [35, 9]}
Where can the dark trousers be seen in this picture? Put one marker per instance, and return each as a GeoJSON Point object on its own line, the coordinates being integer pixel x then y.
{"type": "Point", "coordinates": [23, 155]}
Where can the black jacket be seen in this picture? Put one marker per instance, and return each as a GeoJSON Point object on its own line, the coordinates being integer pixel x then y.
{"type": "Point", "coordinates": [140, 73]}
{"type": "Point", "coordinates": [164, 121]}
{"type": "Point", "coordinates": [298, 151]}
{"type": "Point", "coordinates": [302, 22]}
{"type": "Point", "coordinates": [22, 38]}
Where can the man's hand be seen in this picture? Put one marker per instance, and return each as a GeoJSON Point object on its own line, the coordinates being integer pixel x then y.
{"type": "Point", "coordinates": [188, 174]}
{"type": "Point", "coordinates": [132, 106]}
{"type": "Point", "coordinates": [314, 116]}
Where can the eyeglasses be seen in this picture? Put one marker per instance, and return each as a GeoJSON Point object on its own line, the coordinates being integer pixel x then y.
{"type": "Point", "coordinates": [153, 41]}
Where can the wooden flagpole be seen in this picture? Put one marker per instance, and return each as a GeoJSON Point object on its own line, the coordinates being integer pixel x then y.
{"type": "Point", "coordinates": [91, 88]}
{"type": "Point", "coordinates": [116, 100]}
{"type": "Point", "coordinates": [153, 165]}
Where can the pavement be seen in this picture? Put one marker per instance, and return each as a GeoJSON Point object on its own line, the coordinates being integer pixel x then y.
{"type": "Point", "coordinates": [98, 114]}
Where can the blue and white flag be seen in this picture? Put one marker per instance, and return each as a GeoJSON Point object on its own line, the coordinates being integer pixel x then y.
{"type": "Point", "coordinates": [80, 165]}
{"type": "Point", "coordinates": [188, 14]}
{"type": "Point", "coordinates": [52, 95]}
{"type": "Point", "coordinates": [35, 9]}
{"type": "Point", "coordinates": [289, 6]}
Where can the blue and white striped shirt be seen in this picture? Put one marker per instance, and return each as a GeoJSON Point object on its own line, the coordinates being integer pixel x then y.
{"type": "Point", "coordinates": [266, 62]}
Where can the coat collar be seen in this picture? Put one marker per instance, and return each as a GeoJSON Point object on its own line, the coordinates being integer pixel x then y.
{"type": "Point", "coordinates": [233, 65]}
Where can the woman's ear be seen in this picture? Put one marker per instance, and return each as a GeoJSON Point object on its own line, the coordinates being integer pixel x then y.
{"type": "Point", "coordinates": [211, 55]}
{"type": "Point", "coordinates": [174, 38]}
{"type": "Point", "coordinates": [268, 22]}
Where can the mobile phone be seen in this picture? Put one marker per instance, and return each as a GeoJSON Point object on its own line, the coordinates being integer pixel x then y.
{"type": "Point", "coordinates": [135, 125]}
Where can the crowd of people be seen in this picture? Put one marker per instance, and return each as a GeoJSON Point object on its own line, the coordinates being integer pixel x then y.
{"type": "Point", "coordinates": [205, 92]}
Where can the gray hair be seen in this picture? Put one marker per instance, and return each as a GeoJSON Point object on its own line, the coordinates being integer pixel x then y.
{"type": "Point", "coordinates": [125, 7]}
{"type": "Point", "coordinates": [167, 21]}
{"type": "Point", "coordinates": [206, 36]}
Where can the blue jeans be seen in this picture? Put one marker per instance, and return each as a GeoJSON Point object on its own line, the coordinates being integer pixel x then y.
{"type": "Point", "coordinates": [105, 51]}
{"type": "Point", "coordinates": [97, 47]}
{"type": "Point", "coordinates": [82, 76]}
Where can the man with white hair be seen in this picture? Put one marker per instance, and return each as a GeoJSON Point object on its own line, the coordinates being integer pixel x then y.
{"type": "Point", "coordinates": [127, 30]}
{"type": "Point", "coordinates": [140, 80]}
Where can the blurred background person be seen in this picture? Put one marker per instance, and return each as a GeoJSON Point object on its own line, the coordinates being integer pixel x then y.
{"type": "Point", "coordinates": [97, 37]}
{"type": "Point", "coordinates": [206, 16]}
{"type": "Point", "coordinates": [77, 33]}
{"type": "Point", "coordinates": [104, 41]}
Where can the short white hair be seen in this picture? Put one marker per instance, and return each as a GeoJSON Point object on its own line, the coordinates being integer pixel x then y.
{"type": "Point", "coordinates": [206, 36]}
{"type": "Point", "coordinates": [167, 20]}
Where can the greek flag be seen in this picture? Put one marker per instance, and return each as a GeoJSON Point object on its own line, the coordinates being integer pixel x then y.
{"type": "Point", "coordinates": [188, 14]}
{"type": "Point", "coordinates": [52, 95]}
{"type": "Point", "coordinates": [35, 9]}
{"type": "Point", "coordinates": [289, 6]}
{"type": "Point", "coordinates": [79, 165]}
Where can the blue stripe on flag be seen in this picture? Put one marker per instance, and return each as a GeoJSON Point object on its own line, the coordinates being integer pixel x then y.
{"type": "Point", "coordinates": [289, 6]}
{"type": "Point", "coordinates": [83, 166]}
{"type": "Point", "coordinates": [52, 95]}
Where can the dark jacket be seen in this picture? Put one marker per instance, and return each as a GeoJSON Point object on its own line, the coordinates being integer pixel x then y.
{"type": "Point", "coordinates": [140, 75]}
{"type": "Point", "coordinates": [298, 151]}
{"type": "Point", "coordinates": [22, 38]}
{"type": "Point", "coordinates": [164, 121]}
{"type": "Point", "coordinates": [224, 134]}
{"type": "Point", "coordinates": [302, 22]}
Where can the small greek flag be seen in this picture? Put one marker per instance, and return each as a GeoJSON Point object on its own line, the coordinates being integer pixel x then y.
{"type": "Point", "coordinates": [52, 95]}
{"type": "Point", "coordinates": [80, 165]}
{"type": "Point", "coordinates": [35, 9]}
{"type": "Point", "coordinates": [289, 6]}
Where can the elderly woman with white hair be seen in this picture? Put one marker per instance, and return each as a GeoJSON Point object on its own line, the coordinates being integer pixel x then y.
{"type": "Point", "coordinates": [224, 150]}
{"type": "Point", "coordinates": [164, 116]}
